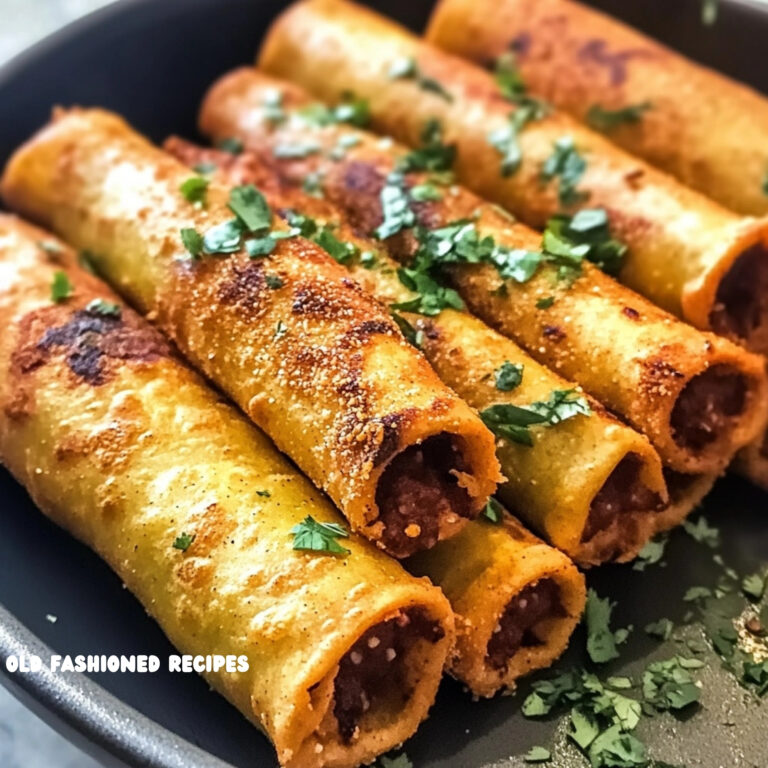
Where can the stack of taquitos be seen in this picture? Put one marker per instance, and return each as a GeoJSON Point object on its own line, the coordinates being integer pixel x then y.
{"type": "Point", "coordinates": [193, 507]}
{"type": "Point", "coordinates": [311, 358]}
{"type": "Point", "coordinates": [702, 127]}
{"type": "Point", "coordinates": [696, 396]}
{"type": "Point", "coordinates": [100, 389]}
{"type": "Point", "coordinates": [707, 130]}
{"type": "Point", "coordinates": [685, 253]}
{"type": "Point", "coordinates": [604, 507]}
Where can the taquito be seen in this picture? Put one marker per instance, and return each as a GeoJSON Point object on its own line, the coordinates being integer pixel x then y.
{"type": "Point", "coordinates": [604, 507]}
{"type": "Point", "coordinates": [313, 360]}
{"type": "Point", "coordinates": [684, 252]}
{"type": "Point", "coordinates": [697, 396]}
{"type": "Point", "coordinates": [709, 131]}
{"type": "Point", "coordinates": [752, 461]}
{"type": "Point", "coordinates": [516, 601]}
{"type": "Point", "coordinates": [124, 446]}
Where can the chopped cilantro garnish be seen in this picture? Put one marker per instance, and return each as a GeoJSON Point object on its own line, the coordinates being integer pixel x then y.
{"type": "Point", "coordinates": [312, 184]}
{"type": "Point", "coordinates": [401, 761]}
{"type": "Point", "coordinates": [340, 250]}
{"type": "Point", "coordinates": [607, 119]}
{"type": "Point", "coordinates": [406, 68]}
{"type": "Point", "coordinates": [273, 106]}
{"type": "Point", "coordinates": [280, 330]}
{"type": "Point", "coordinates": [249, 205]}
{"type": "Point", "coordinates": [651, 553]}
{"type": "Point", "coordinates": [183, 541]}
{"type": "Point", "coordinates": [205, 168]}
{"type": "Point", "coordinates": [223, 238]}
{"type": "Point", "coordinates": [51, 247]}
{"type": "Point", "coordinates": [103, 307]}
{"type": "Point", "coordinates": [512, 421]}
{"type": "Point", "coordinates": [585, 235]}
{"type": "Point", "coordinates": [232, 145]}
{"type": "Point", "coordinates": [433, 154]}
{"type": "Point", "coordinates": [61, 288]}
{"type": "Point", "coordinates": [505, 139]}
{"type": "Point", "coordinates": [313, 536]}
{"type": "Point", "coordinates": [508, 376]}
{"type": "Point", "coordinates": [425, 193]}
{"type": "Point", "coordinates": [296, 151]}
{"type": "Point", "coordinates": [345, 142]}
{"type": "Point", "coordinates": [351, 110]}
{"type": "Point", "coordinates": [601, 640]}
{"type": "Point", "coordinates": [493, 511]}
{"type": "Point", "coordinates": [87, 261]}
{"type": "Point", "coordinates": [256, 247]}
{"type": "Point", "coordinates": [368, 259]}
{"type": "Point", "coordinates": [537, 755]}
{"type": "Point", "coordinates": [274, 282]}
{"type": "Point", "coordinates": [194, 189]}
{"type": "Point", "coordinates": [432, 297]}
{"type": "Point", "coordinates": [702, 532]}
{"type": "Point", "coordinates": [566, 164]}
{"type": "Point", "coordinates": [411, 335]}
{"type": "Point", "coordinates": [668, 685]}
{"type": "Point", "coordinates": [754, 585]}
{"type": "Point", "coordinates": [661, 629]}
{"type": "Point", "coordinates": [265, 494]}
{"type": "Point", "coordinates": [545, 303]}
{"type": "Point", "coordinates": [709, 10]}
{"type": "Point", "coordinates": [692, 594]}
{"type": "Point", "coordinates": [395, 208]}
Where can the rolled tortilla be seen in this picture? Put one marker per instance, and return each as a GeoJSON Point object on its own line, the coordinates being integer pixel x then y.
{"type": "Point", "coordinates": [697, 396]}
{"type": "Point", "coordinates": [706, 129]}
{"type": "Point", "coordinates": [605, 506]}
{"type": "Point", "coordinates": [516, 600]}
{"type": "Point", "coordinates": [121, 444]}
{"type": "Point", "coordinates": [685, 253]}
{"type": "Point", "coordinates": [752, 461]}
{"type": "Point", "coordinates": [314, 361]}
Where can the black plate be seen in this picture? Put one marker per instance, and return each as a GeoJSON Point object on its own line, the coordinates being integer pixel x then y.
{"type": "Point", "coordinates": [151, 60]}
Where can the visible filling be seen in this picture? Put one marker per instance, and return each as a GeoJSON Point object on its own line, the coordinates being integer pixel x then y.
{"type": "Point", "coordinates": [622, 492]}
{"type": "Point", "coordinates": [517, 628]}
{"type": "Point", "coordinates": [741, 304]}
{"type": "Point", "coordinates": [373, 674]}
{"type": "Point", "coordinates": [707, 405]}
{"type": "Point", "coordinates": [418, 490]}
{"type": "Point", "coordinates": [678, 484]}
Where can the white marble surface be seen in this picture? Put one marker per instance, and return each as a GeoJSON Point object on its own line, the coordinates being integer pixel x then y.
{"type": "Point", "coordinates": [25, 741]}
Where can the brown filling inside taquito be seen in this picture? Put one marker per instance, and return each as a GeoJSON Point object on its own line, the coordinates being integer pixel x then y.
{"type": "Point", "coordinates": [741, 304]}
{"type": "Point", "coordinates": [678, 484]}
{"type": "Point", "coordinates": [517, 627]}
{"type": "Point", "coordinates": [623, 493]}
{"type": "Point", "coordinates": [419, 493]}
{"type": "Point", "coordinates": [707, 406]}
{"type": "Point", "coordinates": [373, 677]}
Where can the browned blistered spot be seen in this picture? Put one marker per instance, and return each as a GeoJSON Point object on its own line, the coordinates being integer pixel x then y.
{"type": "Point", "coordinates": [20, 404]}
{"type": "Point", "coordinates": [521, 43]}
{"type": "Point", "coordinates": [631, 313]}
{"type": "Point", "coordinates": [194, 573]}
{"type": "Point", "coordinates": [245, 285]}
{"type": "Point", "coordinates": [211, 526]}
{"type": "Point", "coordinates": [90, 343]}
{"type": "Point", "coordinates": [554, 332]}
{"type": "Point", "coordinates": [615, 62]}
{"type": "Point", "coordinates": [657, 376]}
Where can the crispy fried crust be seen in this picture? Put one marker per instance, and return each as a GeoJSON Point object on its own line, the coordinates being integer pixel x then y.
{"type": "Point", "coordinates": [635, 358]}
{"type": "Point", "coordinates": [309, 356]}
{"type": "Point", "coordinates": [681, 245]}
{"type": "Point", "coordinates": [131, 449]}
{"type": "Point", "coordinates": [556, 498]}
{"type": "Point", "coordinates": [706, 129]}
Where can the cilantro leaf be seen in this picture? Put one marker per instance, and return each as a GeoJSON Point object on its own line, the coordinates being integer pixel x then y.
{"type": "Point", "coordinates": [505, 140]}
{"type": "Point", "coordinates": [273, 106]}
{"type": "Point", "coordinates": [667, 685]}
{"type": "Point", "coordinates": [538, 755]}
{"type": "Point", "coordinates": [339, 250]}
{"type": "Point", "coordinates": [224, 237]}
{"type": "Point", "coordinates": [61, 288]}
{"type": "Point", "coordinates": [183, 541]}
{"type": "Point", "coordinates": [661, 629]}
{"type": "Point", "coordinates": [709, 10]}
{"type": "Point", "coordinates": [545, 302]}
{"type": "Point", "coordinates": [412, 336]}
{"type": "Point", "coordinates": [508, 376]}
{"type": "Point", "coordinates": [250, 207]}
{"type": "Point", "coordinates": [493, 511]}
{"type": "Point", "coordinates": [192, 241]}
{"type": "Point", "coordinates": [395, 208]}
{"type": "Point", "coordinates": [753, 585]}
{"type": "Point", "coordinates": [702, 532]}
{"type": "Point", "coordinates": [566, 164]}
{"type": "Point", "coordinates": [296, 151]}
{"type": "Point", "coordinates": [310, 535]}
{"type": "Point", "coordinates": [561, 404]}
{"type": "Point", "coordinates": [408, 69]}
{"type": "Point", "coordinates": [194, 189]}
{"type": "Point", "coordinates": [432, 154]}
{"type": "Point", "coordinates": [422, 193]}
{"type": "Point", "coordinates": [232, 145]}
{"type": "Point", "coordinates": [103, 307]}
{"type": "Point", "coordinates": [432, 297]}
{"type": "Point", "coordinates": [601, 641]}
{"type": "Point", "coordinates": [606, 120]}
{"type": "Point", "coordinates": [401, 761]}
{"type": "Point", "coordinates": [651, 553]}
